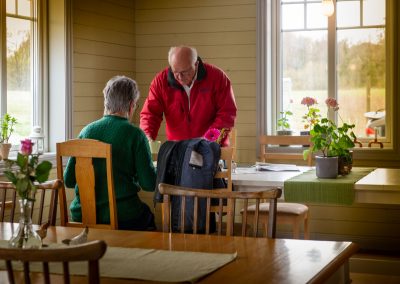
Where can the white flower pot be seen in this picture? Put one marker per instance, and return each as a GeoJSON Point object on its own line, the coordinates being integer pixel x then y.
{"type": "Point", "coordinates": [5, 150]}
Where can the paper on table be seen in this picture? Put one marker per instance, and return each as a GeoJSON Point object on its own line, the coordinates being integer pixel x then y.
{"type": "Point", "coordinates": [276, 167]}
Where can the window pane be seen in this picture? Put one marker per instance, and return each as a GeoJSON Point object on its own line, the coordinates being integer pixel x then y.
{"type": "Point", "coordinates": [304, 72]}
{"type": "Point", "coordinates": [315, 19]}
{"type": "Point", "coordinates": [348, 13]}
{"type": "Point", "coordinates": [374, 12]}
{"type": "Point", "coordinates": [292, 16]}
{"type": "Point", "coordinates": [361, 77]}
{"type": "Point", "coordinates": [19, 98]}
{"type": "Point", "coordinates": [10, 6]}
{"type": "Point", "coordinates": [24, 8]}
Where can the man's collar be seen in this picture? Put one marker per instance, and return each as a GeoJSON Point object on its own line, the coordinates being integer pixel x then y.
{"type": "Point", "coordinates": [201, 74]}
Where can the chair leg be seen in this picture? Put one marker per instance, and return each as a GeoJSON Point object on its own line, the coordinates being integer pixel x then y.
{"type": "Point", "coordinates": [306, 229]}
{"type": "Point", "coordinates": [296, 229]}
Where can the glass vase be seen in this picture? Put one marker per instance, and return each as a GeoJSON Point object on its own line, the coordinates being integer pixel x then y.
{"type": "Point", "coordinates": [25, 236]}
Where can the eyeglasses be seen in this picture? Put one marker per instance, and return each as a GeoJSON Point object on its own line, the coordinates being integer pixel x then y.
{"type": "Point", "coordinates": [183, 73]}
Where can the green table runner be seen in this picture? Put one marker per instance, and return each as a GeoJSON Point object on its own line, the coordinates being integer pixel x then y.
{"type": "Point", "coordinates": [308, 188]}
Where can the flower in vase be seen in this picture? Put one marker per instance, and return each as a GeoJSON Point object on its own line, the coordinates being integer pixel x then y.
{"type": "Point", "coordinates": [312, 116]}
{"type": "Point", "coordinates": [26, 170]}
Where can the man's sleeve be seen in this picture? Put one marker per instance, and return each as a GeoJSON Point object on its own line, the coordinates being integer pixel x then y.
{"type": "Point", "coordinates": [226, 105]}
{"type": "Point", "coordinates": [152, 112]}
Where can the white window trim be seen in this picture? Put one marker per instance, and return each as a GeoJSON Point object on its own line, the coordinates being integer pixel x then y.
{"type": "Point", "coordinates": [266, 90]}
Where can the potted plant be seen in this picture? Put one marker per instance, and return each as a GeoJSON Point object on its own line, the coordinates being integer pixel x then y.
{"type": "Point", "coordinates": [283, 123]}
{"type": "Point", "coordinates": [333, 142]}
{"type": "Point", "coordinates": [7, 123]}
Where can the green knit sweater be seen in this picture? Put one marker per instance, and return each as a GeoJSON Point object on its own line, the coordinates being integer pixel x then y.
{"type": "Point", "coordinates": [132, 169]}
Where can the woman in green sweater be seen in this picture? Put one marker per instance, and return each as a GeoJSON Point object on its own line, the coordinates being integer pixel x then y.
{"type": "Point", "coordinates": [131, 158]}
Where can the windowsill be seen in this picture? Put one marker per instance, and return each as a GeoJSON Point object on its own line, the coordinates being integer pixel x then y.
{"type": "Point", "coordinates": [50, 156]}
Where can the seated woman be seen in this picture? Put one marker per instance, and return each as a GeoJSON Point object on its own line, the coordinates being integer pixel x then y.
{"type": "Point", "coordinates": [131, 158]}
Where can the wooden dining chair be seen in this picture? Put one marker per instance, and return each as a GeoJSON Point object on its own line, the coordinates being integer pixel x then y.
{"type": "Point", "coordinates": [84, 151]}
{"type": "Point", "coordinates": [46, 200]}
{"type": "Point", "coordinates": [231, 196]}
{"type": "Point", "coordinates": [293, 214]}
{"type": "Point", "coordinates": [272, 142]}
{"type": "Point", "coordinates": [90, 252]}
{"type": "Point", "coordinates": [232, 141]}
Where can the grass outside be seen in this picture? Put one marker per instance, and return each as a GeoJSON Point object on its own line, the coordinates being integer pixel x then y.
{"type": "Point", "coordinates": [19, 105]}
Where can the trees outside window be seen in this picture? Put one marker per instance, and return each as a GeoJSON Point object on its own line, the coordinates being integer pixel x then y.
{"type": "Point", "coordinates": [343, 56]}
{"type": "Point", "coordinates": [21, 65]}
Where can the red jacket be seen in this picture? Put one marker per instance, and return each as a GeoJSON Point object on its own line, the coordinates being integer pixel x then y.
{"type": "Point", "coordinates": [212, 104]}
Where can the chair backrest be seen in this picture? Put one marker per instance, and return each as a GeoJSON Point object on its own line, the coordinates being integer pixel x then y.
{"type": "Point", "coordinates": [84, 151]}
{"type": "Point", "coordinates": [267, 141]}
{"type": "Point", "coordinates": [232, 141]}
{"type": "Point", "coordinates": [90, 252]}
{"type": "Point", "coordinates": [171, 190]}
{"type": "Point", "coordinates": [45, 200]}
{"type": "Point", "coordinates": [226, 156]}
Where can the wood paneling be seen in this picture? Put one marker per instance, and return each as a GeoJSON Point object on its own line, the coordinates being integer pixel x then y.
{"type": "Point", "coordinates": [217, 38]}
{"type": "Point", "coordinates": [103, 46]}
{"type": "Point", "coordinates": [195, 13]}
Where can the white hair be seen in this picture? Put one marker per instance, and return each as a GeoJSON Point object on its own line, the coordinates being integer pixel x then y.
{"type": "Point", "coordinates": [119, 92]}
{"type": "Point", "coordinates": [173, 49]}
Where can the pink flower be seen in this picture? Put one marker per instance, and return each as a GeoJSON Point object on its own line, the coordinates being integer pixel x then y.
{"type": "Point", "coordinates": [26, 147]}
{"type": "Point", "coordinates": [308, 101]}
{"type": "Point", "coordinates": [332, 103]}
{"type": "Point", "coordinates": [212, 134]}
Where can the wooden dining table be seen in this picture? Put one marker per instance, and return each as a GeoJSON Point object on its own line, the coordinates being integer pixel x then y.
{"type": "Point", "coordinates": [259, 260]}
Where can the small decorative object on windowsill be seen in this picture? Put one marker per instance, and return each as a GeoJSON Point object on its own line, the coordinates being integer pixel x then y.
{"type": "Point", "coordinates": [37, 139]}
{"type": "Point", "coordinates": [7, 123]}
{"type": "Point", "coordinates": [23, 173]}
{"type": "Point", "coordinates": [332, 141]}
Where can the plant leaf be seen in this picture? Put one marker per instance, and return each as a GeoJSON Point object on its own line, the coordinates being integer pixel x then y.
{"type": "Point", "coordinates": [42, 171]}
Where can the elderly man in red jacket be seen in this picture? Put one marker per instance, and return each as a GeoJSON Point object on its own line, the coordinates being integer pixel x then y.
{"type": "Point", "coordinates": [192, 95]}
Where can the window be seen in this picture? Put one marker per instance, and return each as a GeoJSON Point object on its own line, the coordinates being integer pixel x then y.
{"type": "Point", "coordinates": [344, 56]}
{"type": "Point", "coordinates": [22, 60]}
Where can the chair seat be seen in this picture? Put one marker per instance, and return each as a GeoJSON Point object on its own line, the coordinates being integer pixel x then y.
{"type": "Point", "coordinates": [282, 208]}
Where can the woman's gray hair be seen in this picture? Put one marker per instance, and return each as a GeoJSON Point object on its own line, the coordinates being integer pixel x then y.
{"type": "Point", "coordinates": [173, 49]}
{"type": "Point", "coordinates": [119, 93]}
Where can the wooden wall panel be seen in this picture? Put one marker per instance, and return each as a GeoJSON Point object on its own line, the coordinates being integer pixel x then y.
{"type": "Point", "coordinates": [224, 33]}
{"type": "Point", "coordinates": [217, 38]}
{"type": "Point", "coordinates": [103, 46]}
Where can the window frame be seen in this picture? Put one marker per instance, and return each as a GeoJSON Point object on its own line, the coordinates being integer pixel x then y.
{"type": "Point", "coordinates": [268, 86]}
{"type": "Point", "coordinates": [39, 75]}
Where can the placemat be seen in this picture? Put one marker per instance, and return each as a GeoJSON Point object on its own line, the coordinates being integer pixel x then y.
{"type": "Point", "coordinates": [144, 264]}
{"type": "Point", "coordinates": [307, 188]}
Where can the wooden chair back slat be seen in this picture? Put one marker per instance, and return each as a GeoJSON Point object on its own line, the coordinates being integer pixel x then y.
{"type": "Point", "coordinates": [90, 252]}
{"type": "Point", "coordinates": [84, 151]}
{"type": "Point", "coordinates": [171, 190]}
{"type": "Point", "coordinates": [266, 141]}
{"type": "Point", "coordinates": [45, 192]}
